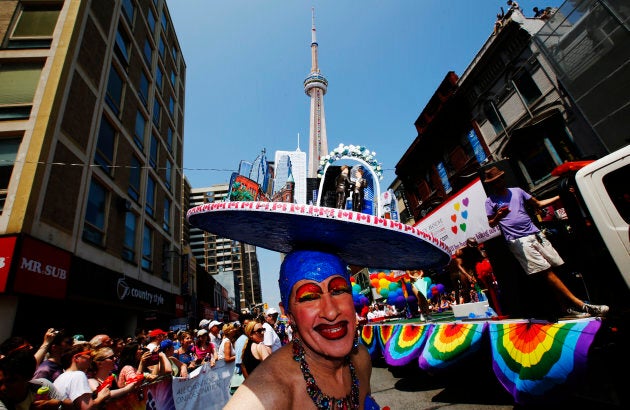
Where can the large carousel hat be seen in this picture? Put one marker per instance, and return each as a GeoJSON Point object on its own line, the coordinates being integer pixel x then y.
{"type": "Point", "coordinates": [320, 241]}
{"type": "Point", "coordinates": [358, 239]}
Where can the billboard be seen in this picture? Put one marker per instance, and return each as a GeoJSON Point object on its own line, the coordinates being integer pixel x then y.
{"type": "Point", "coordinates": [461, 217]}
{"type": "Point", "coordinates": [244, 189]}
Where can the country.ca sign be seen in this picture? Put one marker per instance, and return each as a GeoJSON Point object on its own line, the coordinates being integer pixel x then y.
{"type": "Point", "coordinates": [125, 291]}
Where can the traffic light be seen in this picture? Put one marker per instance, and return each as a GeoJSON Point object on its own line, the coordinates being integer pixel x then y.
{"type": "Point", "coordinates": [265, 306]}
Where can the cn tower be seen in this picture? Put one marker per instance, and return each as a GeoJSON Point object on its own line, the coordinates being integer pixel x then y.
{"type": "Point", "coordinates": [315, 86]}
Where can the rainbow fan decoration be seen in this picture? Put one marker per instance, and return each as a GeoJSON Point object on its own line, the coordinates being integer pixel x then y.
{"type": "Point", "coordinates": [384, 333]}
{"type": "Point", "coordinates": [368, 339]}
{"type": "Point", "coordinates": [534, 360]}
{"type": "Point", "coordinates": [405, 344]}
{"type": "Point", "coordinates": [450, 342]}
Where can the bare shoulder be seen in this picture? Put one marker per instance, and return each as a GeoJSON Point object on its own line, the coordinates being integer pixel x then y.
{"type": "Point", "coordinates": [271, 385]}
{"type": "Point", "coordinates": [362, 361]}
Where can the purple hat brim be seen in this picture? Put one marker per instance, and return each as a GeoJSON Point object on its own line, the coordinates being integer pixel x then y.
{"type": "Point", "coordinates": [358, 239]}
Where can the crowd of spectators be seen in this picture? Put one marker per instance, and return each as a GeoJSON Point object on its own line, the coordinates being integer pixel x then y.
{"type": "Point", "coordinates": [83, 374]}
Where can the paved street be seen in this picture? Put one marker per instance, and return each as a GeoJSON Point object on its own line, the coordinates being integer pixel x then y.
{"type": "Point", "coordinates": [411, 388]}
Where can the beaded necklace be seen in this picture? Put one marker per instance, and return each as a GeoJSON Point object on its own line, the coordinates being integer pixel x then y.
{"type": "Point", "coordinates": [321, 400]}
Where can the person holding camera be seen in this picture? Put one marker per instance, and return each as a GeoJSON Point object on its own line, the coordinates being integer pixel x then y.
{"type": "Point", "coordinates": [51, 367]}
{"type": "Point", "coordinates": [136, 361]}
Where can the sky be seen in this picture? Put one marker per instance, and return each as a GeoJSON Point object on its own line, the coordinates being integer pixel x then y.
{"type": "Point", "coordinates": [246, 62]}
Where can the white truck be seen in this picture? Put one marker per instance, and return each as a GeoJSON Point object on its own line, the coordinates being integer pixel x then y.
{"type": "Point", "coordinates": [604, 185]}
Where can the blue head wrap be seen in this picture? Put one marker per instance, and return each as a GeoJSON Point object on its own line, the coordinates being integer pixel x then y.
{"type": "Point", "coordinates": [311, 265]}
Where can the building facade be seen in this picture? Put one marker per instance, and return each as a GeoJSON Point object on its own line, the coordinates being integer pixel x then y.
{"type": "Point", "coordinates": [217, 255]}
{"type": "Point", "coordinates": [538, 95]}
{"type": "Point", "coordinates": [291, 165]}
{"type": "Point", "coordinates": [508, 106]}
{"type": "Point", "coordinates": [91, 136]}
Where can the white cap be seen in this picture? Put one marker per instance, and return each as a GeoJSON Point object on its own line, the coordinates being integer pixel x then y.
{"type": "Point", "coordinates": [202, 332]}
{"type": "Point", "coordinates": [214, 323]}
{"type": "Point", "coordinates": [271, 311]}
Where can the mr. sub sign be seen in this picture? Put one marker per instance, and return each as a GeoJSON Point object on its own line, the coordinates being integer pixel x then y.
{"type": "Point", "coordinates": [7, 245]}
{"type": "Point", "coordinates": [42, 269]}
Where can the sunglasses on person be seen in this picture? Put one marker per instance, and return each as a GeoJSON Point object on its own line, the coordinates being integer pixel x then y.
{"type": "Point", "coordinates": [85, 354]}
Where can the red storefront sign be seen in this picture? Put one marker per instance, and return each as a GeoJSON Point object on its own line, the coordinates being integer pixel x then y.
{"type": "Point", "coordinates": [179, 306]}
{"type": "Point", "coordinates": [7, 246]}
{"type": "Point", "coordinates": [42, 269]}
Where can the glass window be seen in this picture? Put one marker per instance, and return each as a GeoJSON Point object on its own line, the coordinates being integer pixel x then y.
{"type": "Point", "coordinates": [114, 90]}
{"type": "Point", "coordinates": [94, 227]}
{"type": "Point", "coordinates": [528, 88]}
{"type": "Point", "coordinates": [104, 155]}
{"type": "Point", "coordinates": [8, 151]}
{"type": "Point", "coordinates": [156, 113]}
{"type": "Point", "coordinates": [19, 82]}
{"type": "Point", "coordinates": [143, 92]}
{"type": "Point", "coordinates": [616, 183]}
{"type": "Point", "coordinates": [161, 47]}
{"type": "Point", "coordinates": [173, 78]}
{"type": "Point", "coordinates": [493, 116]}
{"type": "Point", "coordinates": [122, 45]}
{"type": "Point", "coordinates": [138, 135]}
{"type": "Point", "coordinates": [135, 172]}
{"type": "Point", "coordinates": [444, 177]}
{"type": "Point", "coordinates": [151, 21]}
{"type": "Point", "coordinates": [171, 105]}
{"type": "Point", "coordinates": [168, 174]}
{"type": "Point", "coordinates": [158, 78]}
{"type": "Point", "coordinates": [164, 22]}
{"type": "Point", "coordinates": [147, 248]}
{"type": "Point", "coordinates": [129, 244]}
{"type": "Point", "coordinates": [167, 215]}
{"type": "Point", "coordinates": [174, 53]}
{"type": "Point", "coordinates": [169, 139]}
{"type": "Point", "coordinates": [35, 26]}
{"type": "Point", "coordinates": [475, 146]}
{"type": "Point", "coordinates": [147, 52]}
{"type": "Point", "coordinates": [537, 159]}
{"type": "Point", "coordinates": [128, 10]}
{"type": "Point", "coordinates": [150, 203]}
{"type": "Point", "coordinates": [153, 151]}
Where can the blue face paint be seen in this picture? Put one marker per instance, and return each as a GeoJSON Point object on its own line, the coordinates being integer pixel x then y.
{"type": "Point", "coordinates": [310, 265]}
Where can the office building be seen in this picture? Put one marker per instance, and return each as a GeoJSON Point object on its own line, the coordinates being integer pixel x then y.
{"type": "Point", "coordinates": [291, 163]}
{"type": "Point", "coordinates": [91, 136]}
{"type": "Point", "coordinates": [218, 255]}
